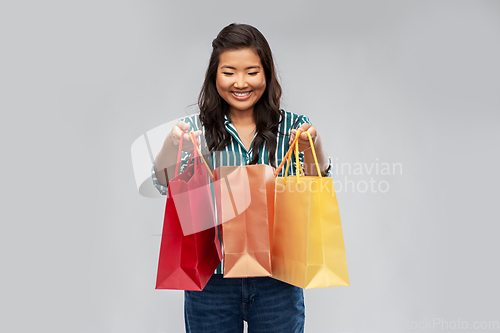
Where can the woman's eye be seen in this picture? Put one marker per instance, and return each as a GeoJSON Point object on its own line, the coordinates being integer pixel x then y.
{"type": "Point", "coordinates": [254, 73]}
{"type": "Point", "coordinates": [227, 73]}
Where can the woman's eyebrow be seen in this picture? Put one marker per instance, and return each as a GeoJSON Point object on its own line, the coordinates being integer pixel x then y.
{"type": "Point", "coordinates": [230, 67]}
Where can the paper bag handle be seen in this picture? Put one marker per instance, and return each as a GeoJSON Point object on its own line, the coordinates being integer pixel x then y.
{"type": "Point", "coordinates": [285, 158]}
{"type": "Point", "coordinates": [179, 154]}
{"type": "Point", "coordinates": [295, 146]}
{"type": "Point", "coordinates": [298, 167]}
{"type": "Point", "coordinates": [313, 152]}
{"type": "Point", "coordinates": [196, 152]}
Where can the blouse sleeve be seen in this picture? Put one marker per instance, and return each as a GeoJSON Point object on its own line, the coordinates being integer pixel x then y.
{"type": "Point", "coordinates": [162, 189]}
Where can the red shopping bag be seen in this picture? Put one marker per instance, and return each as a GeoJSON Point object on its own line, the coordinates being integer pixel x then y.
{"type": "Point", "coordinates": [192, 194]}
{"type": "Point", "coordinates": [186, 262]}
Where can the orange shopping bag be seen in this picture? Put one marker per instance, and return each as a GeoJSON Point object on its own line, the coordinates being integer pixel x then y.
{"type": "Point", "coordinates": [308, 248]}
{"type": "Point", "coordinates": [245, 208]}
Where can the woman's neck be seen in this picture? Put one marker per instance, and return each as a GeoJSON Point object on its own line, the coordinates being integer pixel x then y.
{"type": "Point", "coordinates": [243, 118]}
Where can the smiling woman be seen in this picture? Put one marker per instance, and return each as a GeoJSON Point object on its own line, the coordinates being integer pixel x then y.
{"type": "Point", "coordinates": [242, 123]}
{"type": "Point", "coordinates": [241, 62]}
{"type": "Point", "coordinates": [240, 81]}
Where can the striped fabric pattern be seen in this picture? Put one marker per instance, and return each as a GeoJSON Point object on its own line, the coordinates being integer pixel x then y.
{"type": "Point", "coordinates": [235, 153]}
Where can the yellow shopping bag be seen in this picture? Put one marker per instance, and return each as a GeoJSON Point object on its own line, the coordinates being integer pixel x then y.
{"type": "Point", "coordinates": [308, 246]}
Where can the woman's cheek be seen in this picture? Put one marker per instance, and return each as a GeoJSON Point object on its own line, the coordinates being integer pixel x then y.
{"type": "Point", "coordinates": [262, 82]}
{"type": "Point", "coordinates": [224, 82]}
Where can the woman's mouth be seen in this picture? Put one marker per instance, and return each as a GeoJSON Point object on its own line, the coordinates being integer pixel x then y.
{"type": "Point", "coordinates": [241, 96]}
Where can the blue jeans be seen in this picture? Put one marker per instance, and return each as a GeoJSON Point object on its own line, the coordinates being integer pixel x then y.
{"type": "Point", "coordinates": [266, 304]}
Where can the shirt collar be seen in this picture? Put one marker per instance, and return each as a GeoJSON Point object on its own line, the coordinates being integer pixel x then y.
{"type": "Point", "coordinates": [227, 120]}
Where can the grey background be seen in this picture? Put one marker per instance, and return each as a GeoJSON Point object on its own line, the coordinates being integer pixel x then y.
{"type": "Point", "coordinates": [410, 82]}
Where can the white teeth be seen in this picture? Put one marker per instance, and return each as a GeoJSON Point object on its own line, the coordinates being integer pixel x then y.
{"type": "Point", "coordinates": [241, 94]}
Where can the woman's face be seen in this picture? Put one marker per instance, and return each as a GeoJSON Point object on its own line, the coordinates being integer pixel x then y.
{"type": "Point", "coordinates": [241, 80]}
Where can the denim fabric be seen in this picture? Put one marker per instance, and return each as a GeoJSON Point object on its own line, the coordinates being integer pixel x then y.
{"type": "Point", "coordinates": [266, 304]}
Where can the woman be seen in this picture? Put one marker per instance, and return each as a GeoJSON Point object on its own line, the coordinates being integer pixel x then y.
{"type": "Point", "coordinates": [241, 121]}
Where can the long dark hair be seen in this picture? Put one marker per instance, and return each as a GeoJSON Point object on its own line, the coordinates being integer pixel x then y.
{"type": "Point", "coordinates": [213, 107]}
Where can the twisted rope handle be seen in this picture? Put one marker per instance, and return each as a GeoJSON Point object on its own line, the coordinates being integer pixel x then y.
{"type": "Point", "coordinates": [198, 154]}
{"type": "Point", "coordinates": [294, 147]}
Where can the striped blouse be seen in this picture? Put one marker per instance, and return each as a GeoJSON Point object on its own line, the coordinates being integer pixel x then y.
{"type": "Point", "coordinates": [235, 153]}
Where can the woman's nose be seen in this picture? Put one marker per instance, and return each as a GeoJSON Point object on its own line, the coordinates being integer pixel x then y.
{"type": "Point", "coordinates": [240, 82]}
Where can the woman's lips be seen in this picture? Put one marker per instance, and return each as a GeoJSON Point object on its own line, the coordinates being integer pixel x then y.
{"type": "Point", "coordinates": [241, 96]}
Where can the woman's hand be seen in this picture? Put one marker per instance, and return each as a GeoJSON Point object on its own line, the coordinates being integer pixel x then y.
{"type": "Point", "coordinates": [303, 140]}
{"type": "Point", "coordinates": [166, 160]}
{"type": "Point", "coordinates": [310, 167]}
{"type": "Point", "coordinates": [174, 137]}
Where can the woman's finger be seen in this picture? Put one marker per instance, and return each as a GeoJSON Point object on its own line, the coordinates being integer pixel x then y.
{"type": "Point", "coordinates": [183, 126]}
{"type": "Point", "coordinates": [304, 127]}
{"type": "Point", "coordinates": [312, 131]}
